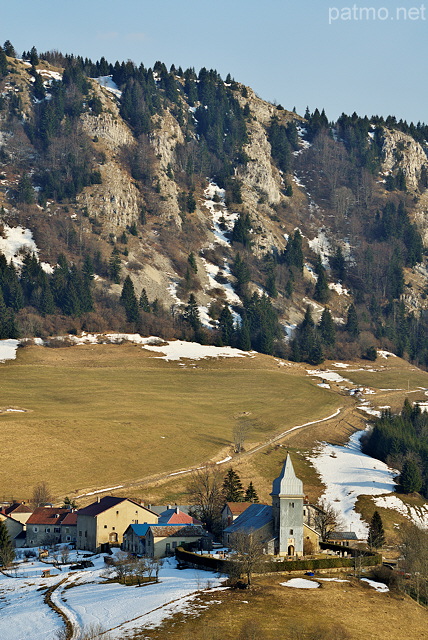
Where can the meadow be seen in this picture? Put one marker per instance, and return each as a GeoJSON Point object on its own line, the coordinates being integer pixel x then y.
{"type": "Point", "coordinates": [102, 415]}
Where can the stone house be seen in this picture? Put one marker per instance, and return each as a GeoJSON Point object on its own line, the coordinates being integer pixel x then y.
{"type": "Point", "coordinates": [104, 522]}
{"type": "Point", "coordinates": [44, 526]}
{"type": "Point", "coordinates": [157, 541]}
{"type": "Point", "coordinates": [231, 511]}
{"type": "Point", "coordinates": [15, 529]}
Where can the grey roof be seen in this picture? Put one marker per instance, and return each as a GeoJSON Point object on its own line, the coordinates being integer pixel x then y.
{"type": "Point", "coordinates": [287, 483]}
{"type": "Point", "coordinates": [342, 535]}
{"type": "Point", "coordinates": [254, 517]}
{"type": "Point", "coordinates": [160, 508]}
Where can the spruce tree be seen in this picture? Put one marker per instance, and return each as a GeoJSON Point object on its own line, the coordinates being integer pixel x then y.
{"type": "Point", "coordinates": [410, 478]}
{"type": "Point", "coordinates": [327, 328]}
{"type": "Point", "coordinates": [191, 313]}
{"type": "Point", "coordinates": [115, 266]}
{"type": "Point", "coordinates": [192, 262]}
{"type": "Point", "coordinates": [225, 324]}
{"type": "Point", "coordinates": [352, 322]}
{"type": "Point", "coordinates": [144, 301]}
{"type": "Point", "coordinates": [233, 490]}
{"type": "Point", "coordinates": [322, 292]}
{"type": "Point", "coordinates": [129, 301]}
{"type": "Point", "coordinates": [376, 537]}
{"type": "Point", "coordinates": [7, 552]}
{"type": "Point", "coordinates": [251, 494]}
{"type": "Point", "coordinates": [3, 63]}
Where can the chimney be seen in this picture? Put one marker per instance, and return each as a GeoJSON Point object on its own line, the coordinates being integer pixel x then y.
{"type": "Point", "coordinates": [177, 510]}
{"type": "Point", "coordinates": [149, 506]}
{"type": "Point", "coordinates": [168, 506]}
{"type": "Point", "coordinates": [98, 498]}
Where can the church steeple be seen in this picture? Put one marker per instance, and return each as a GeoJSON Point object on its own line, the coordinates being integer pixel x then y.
{"type": "Point", "coordinates": [287, 511]}
{"type": "Point", "coordinates": [287, 483]}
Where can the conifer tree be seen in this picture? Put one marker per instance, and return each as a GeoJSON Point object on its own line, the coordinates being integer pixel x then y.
{"type": "Point", "coordinates": [327, 328]}
{"type": "Point", "coordinates": [376, 536]}
{"type": "Point", "coordinates": [129, 300]}
{"type": "Point", "coordinates": [352, 322]}
{"type": "Point", "coordinates": [115, 266]}
{"type": "Point", "coordinates": [225, 324]}
{"type": "Point", "coordinates": [322, 292]}
{"type": "Point", "coordinates": [34, 58]}
{"type": "Point", "coordinates": [7, 552]}
{"type": "Point", "coordinates": [410, 478]}
{"type": "Point", "coordinates": [3, 63]}
{"type": "Point", "coordinates": [244, 337]}
{"type": "Point", "coordinates": [144, 301]}
{"type": "Point", "coordinates": [251, 494]}
{"type": "Point", "coordinates": [191, 313]}
{"type": "Point", "coordinates": [232, 487]}
{"type": "Point", "coordinates": [192, 262]}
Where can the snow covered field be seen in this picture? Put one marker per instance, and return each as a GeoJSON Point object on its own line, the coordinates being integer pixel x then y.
{"type": "Point", "coordinates": [87, 600]}
{"type": "Point", "coordinates": [348, 473]}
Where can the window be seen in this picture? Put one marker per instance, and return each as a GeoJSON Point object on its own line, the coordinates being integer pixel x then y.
{"type": "Point", "coordinates": [80, 533]}
{"type": "Point", "coordinates": [67, 530]}
{"type": "Point", "coordinates": [135, 522]}
{"type": "Point", "coordinates": [86, 534]}
{"type": "Point", "coordinates": [47, 530]}
{"type": "Point", "coordinates": [113, 528]}
{"type": "Point", "coordinates": [174, 544]}
{"type": "Point", "coordinates": [292, 505]}
{"type": "Point", "coordinates": [167, 547]}
{"type": "Point", "coordinates": [105, 526]}
{"type": "Point", "coordinates": [291, 532]}
{"type": "Point", "coordinates": [68, 538]}
{"type": "Point", "coordinates": [117, 513]}
{"type": "Point", "coordinates": [35, 529]}
{"type": "Point", "coordinates": [57, 530]}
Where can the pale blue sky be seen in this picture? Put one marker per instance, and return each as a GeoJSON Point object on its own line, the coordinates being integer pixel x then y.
{"type": "Point", "coordinates": [286, 50]}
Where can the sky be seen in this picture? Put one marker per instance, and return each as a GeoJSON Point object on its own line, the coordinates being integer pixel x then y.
{"type": "Point", "coordinates": [369, 57]}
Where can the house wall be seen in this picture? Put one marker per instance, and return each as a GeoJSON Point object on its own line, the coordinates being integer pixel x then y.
{"type": "Point", "coordinates": [13, 527]}
{"type": "Point", "coordinates": [110, 525]}
{"type": "Point", "coordinates": [161, 547]}
{"type": "Point", "coordinates": [41, 534]}
{"type": "Point", "coordinates": [309, 534]}
{"type": "Point", "coordinates": [68, 534]}
{"type": "Point", "coordinates": [290, 525]}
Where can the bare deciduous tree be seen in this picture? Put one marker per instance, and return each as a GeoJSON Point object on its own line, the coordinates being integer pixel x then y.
{"type": "Point", "coordinates": [206, 497]}
{"type": "Point", "coordinates": [41, 495]}
{"type": "Point", "coordinates": [249, 552]}
{"type": "Point", "coordinates": [327, 519]}
{"type": "Point", "coordinates": [241, 429]}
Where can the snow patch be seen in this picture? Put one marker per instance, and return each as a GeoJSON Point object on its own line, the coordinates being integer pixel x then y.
{"type": "Point", "coordinates": [107, 83]}
{"type": "Point", "coordinates": [417, 514]}
{"type": "Point", "coordinates": [379, 586]}
{"type": "Point", "coordinates": [8, 349]}
{"type": "Point", "coordinates": [300, 583]}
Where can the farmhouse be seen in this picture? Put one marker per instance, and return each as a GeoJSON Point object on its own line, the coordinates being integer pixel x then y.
{"type": "Point", "coordinates": [280, 527]}
{"type": "Point", "coordinates": [46, 525]}
{"type": "Point", "coordinates": [157, 541]}
{"type": "Point", "coordinates": [104, 522]}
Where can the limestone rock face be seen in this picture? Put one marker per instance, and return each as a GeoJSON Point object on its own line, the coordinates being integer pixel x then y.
{"type": "Point", "coordinates": [401, 151]}
{"type": "Point", "coordinates": [116, 202]}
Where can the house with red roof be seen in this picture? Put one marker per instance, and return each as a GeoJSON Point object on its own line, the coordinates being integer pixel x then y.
{"type": "Point", "coordinates": [103, 522]}
{"type": "Point", "coordinates": [231, 511]}
{"type": "Point", "coordinates": [173, 515]}
{"type": "Point", "coordinates": [50, 525]}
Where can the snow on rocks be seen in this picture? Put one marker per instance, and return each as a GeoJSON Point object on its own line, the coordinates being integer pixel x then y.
{"type": "Point", "coordinates": [223, 221]}
{"type": "Point", "coordinates": [321, 246]}
{"type": "Point", "coordinates": [300, 583]}
{"type": "Point", "coordinates": [107, 83]}
{"type": "Point", "coordinates": [16, 243]}
{"type": "Point", "coordinates": [348, 473]}
{"type": "Point", "coordinates": [385, 354]}
{"type": "Point", "coordinates": [417, 514]}
{"type": "Point", "coordinates": [337, 287]}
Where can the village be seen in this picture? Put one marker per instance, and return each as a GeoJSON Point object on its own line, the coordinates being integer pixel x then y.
{"type": "Point", "coordinates": [122, 541]}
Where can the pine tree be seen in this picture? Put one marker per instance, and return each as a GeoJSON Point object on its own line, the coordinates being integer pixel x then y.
{"type": "Point", "coordinates": [352, 322]}
{"type": "Point", "coordinates": [191, 313]}
{"type": "Point", "coordinates": [225, 324]}
{"type": "Point", "coordinates": [251, 494]}
{"type": "Point", "coordinates": [232, 487]}
{"type": "Point", "coordinates": [7, 553]}
{"type": "Point", "coordinates": [3, 63]}
{"type": "Point", "coordinates": [244, 336]}
{"type": "Point", "coordinates": [327, 328]}
{"type": "Point", "coordinates": [410, 478]}
{"type": "Point", "coordinates": [337, 264]}
{"type": "Point", "coordinates": [115, 266]}
{"type": "Point", "coordinates": [322, 292]}
{"type": "Point", "coordinates": [34, 58]}
{"type": "Point", "coordinates": [129, 301]}
{"type": "Point", "coordinates": [376, 536]}
{"type": "Point", "coordinates": [192, 262]}
{"type": "Point", "coordinates": [144, 301]}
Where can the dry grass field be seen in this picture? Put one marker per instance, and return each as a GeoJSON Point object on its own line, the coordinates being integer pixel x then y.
{"type": "Point", "coordinates": [103, 415]}
{"type": "Point", "coordinates": [268, 611]}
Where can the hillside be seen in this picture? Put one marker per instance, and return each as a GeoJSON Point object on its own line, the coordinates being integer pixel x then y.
{"type": "Point", "coordinates": [183, 205]}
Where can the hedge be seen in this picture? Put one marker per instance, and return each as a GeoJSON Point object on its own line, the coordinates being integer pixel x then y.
{"type": "Point", "coordinates": [223, 566]}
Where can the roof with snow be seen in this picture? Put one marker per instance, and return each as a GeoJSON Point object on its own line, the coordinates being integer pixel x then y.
{"type": "Point", "coordinates": [254, 517]}
{"type": "Point", "coordinates": [287, 483]}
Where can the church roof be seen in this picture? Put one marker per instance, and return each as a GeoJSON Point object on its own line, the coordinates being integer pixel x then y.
{"type": "Point", "coordinates": [253, 518]}
{"type": "Point", "coordinates": [287, 483]}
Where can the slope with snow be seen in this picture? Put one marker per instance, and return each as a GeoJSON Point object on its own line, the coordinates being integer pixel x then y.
{"type": "Point", "coordinates": [348, 473]}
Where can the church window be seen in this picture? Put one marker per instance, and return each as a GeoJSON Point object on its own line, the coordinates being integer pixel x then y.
{"type": "Point", "coordinates": [291, 532]}
{"type": "Point", "coordinates": [292, 505]}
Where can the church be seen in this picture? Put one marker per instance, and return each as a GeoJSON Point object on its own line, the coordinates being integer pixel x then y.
{"type": "Point", "coordinates": [281, 528]}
